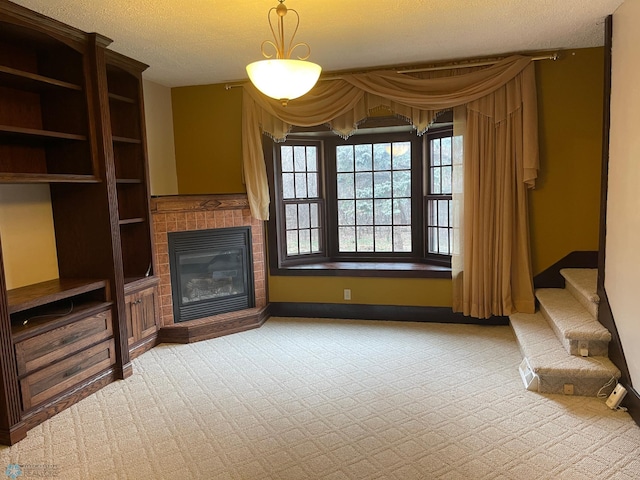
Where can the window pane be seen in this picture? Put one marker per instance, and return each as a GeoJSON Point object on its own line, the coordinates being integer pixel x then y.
{"type": "Point", "coordinates": [287, 186]}
{"type": "Point", "coordinates": [314, 215]}
{"type": "Point", "coordinates": [315, 240]}
{"type": "Point", "coordinates": [443, 242]}
{"type": "Point", "coordinates": [299, 158]}
{"type": "Point", "coordinates": [384, 239]}
{"type": "Point", "coordinates": [291, 214]}
{"type": "Point", "coordinates": [401, 155]}
{"type": "Point", "coordinates": [312, 161]}
{"type": "Point", "coordinates": [347, 239]}
{"type": "Point", "coordinates": [402, 184]}
{"type": "Point", "coordinates": [305, 241]}
{"type": "Point", "coordinates": [433, 212]}
{"type": "Point", "coordinates": [292, 242]}
{"type": "Point", "coordinates": [364, 239]}
{"type": "Point", "coordinates": [303, 216]}
{"type": "Point", "coordinates": [363, 158]}
{"type": "Point", "coordinates": [435, 152]}
{"type": "Point", "coordinates": [383, 212]}
{"type": "Point", "coordinates": [443, 213]}
{"type": "Point", "coordinates": [312, 185]}
{"type": "Point", "coordinates": [382, 184]}
{"type": "Point", "coordinates": [364, 185]}
{"type": "Point", "coordinates": [301, 185]}
{"type": "Point", "coordinates": [402, 211]}
{"type": "Point", "coordinates": [346, 212]}
{"type": "Point", "coordinates": [382, 156]}
{"type": "Point", "coordinates": [402, 239]}
{"type": "Point", "coordinates": [364, 212]}
{"type": "Point", "coordinates": [435, 180]}
{"type": "Point", "coordinates": [286, 158]}
{"type": "Point", "coordinates": [446, 180]}
{"type": "Point", "coordinates": [433, 240]}
{"type": "Point", "coordinates": [446, 151]}
{"type": "Point", "coordinates": [344, 158]}
{"type": "Point", "coordinates": [346, 187]}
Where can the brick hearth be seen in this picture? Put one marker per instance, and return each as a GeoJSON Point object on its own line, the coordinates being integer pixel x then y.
{"type": "Point", "coordinates": [201, 212]}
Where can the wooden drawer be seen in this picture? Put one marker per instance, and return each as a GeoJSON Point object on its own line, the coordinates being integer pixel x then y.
{"type": "Point", "coordinates": [53, 380]}
{"type": "Point", "coordinates": [44, 349]}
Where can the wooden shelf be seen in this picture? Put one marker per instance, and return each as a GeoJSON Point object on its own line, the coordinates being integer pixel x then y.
{"type": "Point", "coordinates": [132, 284]}
{"type": "Point", "coordinates": [8, 177]}
{"type": "Point", "coordinates": [42, 293]}
{"type": "Point", "coordinates": [126, 140]}
{"type": "Point", "coordinates": [32, 134]}
{"type": "Point", "coordinates": [129, 181]}
{"type": "Point", "coordinates": [131, 221]}
{"type": "Point", "coordinates": [56, 317]}
{"type": "Point", "coordinates": [13, 78]}
{"type": "Point", "coordinates": [121, 98]}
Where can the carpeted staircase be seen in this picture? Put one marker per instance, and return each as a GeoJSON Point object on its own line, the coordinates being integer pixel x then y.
{"type": "Point", "coordinates": [563, 344]}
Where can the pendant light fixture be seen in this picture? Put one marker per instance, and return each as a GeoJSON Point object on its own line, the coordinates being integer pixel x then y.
{"type": "Point", "coordinates": [279, 76]}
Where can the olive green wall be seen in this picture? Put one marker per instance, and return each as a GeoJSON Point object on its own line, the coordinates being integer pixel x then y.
{"type": "Point", "coordinates": [564, 207]}
{"type": "Point", "coordinates": [207, 123]}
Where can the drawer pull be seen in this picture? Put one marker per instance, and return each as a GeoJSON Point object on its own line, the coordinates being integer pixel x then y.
{"type": "Point", "coordinates": [71, 339]}
{"type": "Point", "coordinates": [72, 371]}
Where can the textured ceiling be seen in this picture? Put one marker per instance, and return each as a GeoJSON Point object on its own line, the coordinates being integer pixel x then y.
{"type": "Point", "coordinates": [191, 42]}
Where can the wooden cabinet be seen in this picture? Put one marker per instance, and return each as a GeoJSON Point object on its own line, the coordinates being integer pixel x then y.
{"type": "Point", "coordinates": [142, 313]}
{"type": "Point", "coordinates": [62, 332]}
{"type": "Point", "coordinates": [72, 119]}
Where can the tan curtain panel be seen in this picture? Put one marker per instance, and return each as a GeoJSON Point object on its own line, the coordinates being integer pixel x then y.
{"type": "Point", "coordinates": [500, 161]}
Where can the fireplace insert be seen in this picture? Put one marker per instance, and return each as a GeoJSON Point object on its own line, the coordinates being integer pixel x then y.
{"type": "Point", "coordinates": [211, 272]}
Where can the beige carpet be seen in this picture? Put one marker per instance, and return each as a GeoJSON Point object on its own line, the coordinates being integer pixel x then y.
{"type": "Point", "coordinates": [321, 399]}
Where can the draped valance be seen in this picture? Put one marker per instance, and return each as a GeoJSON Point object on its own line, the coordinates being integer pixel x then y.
{"type": "Point", "coordinates": [345, 102]}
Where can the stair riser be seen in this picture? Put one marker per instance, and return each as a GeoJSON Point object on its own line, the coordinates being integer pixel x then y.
{"type": "Point", "coordinates": [590, 306]}
{"type": "Point", "coordinates": [596, 348]}
{"type": "Point", "coordinates": [587, 387]}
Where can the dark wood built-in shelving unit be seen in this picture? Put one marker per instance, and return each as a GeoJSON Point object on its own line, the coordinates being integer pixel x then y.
{"type": "Point", "coordinates": [72, 118]}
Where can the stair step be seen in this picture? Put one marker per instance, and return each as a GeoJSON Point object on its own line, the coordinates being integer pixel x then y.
{"type": "Point", "coordinates": [552, 367]}
{"type": "Point", "coordinates": [572, 323]}
{"type": "Point", "coordinates": [583, 285]}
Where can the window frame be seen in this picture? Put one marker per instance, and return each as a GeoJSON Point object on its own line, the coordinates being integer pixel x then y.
{"type": "Point", "coordinates": [440, 132]}
{"type": "Point", "coordinates": [418, 263]}
{"type": "Point", "coordinates": [278, 205]}
{"type": "Point", "coordinates": [331, 143]}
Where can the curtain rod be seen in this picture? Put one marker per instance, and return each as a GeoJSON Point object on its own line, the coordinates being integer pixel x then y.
{"type": "Point", "coordinates": [554, 56]}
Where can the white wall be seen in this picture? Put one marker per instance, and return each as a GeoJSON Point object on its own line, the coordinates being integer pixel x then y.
{"type": "Point", "coordinates": [159, 120]}
{"type": "Point", "coordinates": [622, 273]}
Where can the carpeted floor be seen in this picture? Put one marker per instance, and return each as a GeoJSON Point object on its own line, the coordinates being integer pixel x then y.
{"type": "Point", "coordinates": [332, 399]}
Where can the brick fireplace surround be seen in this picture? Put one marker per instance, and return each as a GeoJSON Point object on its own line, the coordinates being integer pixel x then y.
{"type": "Point", "coordinates": [183, 213]}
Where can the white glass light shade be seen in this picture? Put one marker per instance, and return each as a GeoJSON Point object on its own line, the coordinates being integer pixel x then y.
{"type": "Point", "coordinates": [284, 79]}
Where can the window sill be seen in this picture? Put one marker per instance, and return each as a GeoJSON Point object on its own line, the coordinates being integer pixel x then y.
{"type": "Point", "coordinates": [365, 269]}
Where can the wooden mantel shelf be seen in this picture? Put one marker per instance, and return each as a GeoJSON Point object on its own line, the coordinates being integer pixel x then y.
{"type": "Point", "coordinates": [198, 203]}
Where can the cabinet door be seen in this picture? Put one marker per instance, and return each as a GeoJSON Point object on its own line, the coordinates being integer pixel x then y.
{"type": "Point", "coordinates": [141, 314]}
{"type": "Point", "coordinates": [147, 312]}
{"type": "Point", "coordinates": [130, 307]}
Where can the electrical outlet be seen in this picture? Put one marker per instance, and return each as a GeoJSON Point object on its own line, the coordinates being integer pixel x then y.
{"type": "Point", "coordinates": [614, 400]}
{"type": "Point", "coordinates": [347, 294]}
{"type": "Point", "coordinates": [568, 389]}
{"type": "Point", "coordinates": [583, 348]}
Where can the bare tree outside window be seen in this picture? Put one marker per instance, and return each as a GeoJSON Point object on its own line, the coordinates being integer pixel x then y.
{"type": "Point", "coordinates": [374, 197]}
